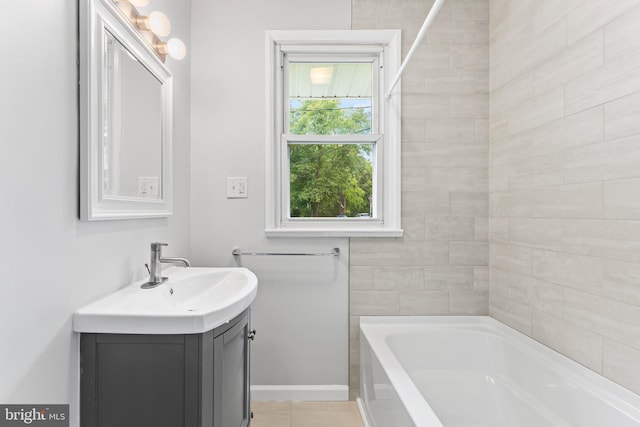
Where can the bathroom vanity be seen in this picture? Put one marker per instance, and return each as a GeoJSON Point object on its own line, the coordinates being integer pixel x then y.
{"type": "Point", "coordinates": [167, 380]}
{"type": "Point", "coordinates": [176, 355]}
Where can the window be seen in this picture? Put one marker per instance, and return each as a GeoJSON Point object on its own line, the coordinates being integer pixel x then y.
{"type": "Point", "coordinates": [333, 138]}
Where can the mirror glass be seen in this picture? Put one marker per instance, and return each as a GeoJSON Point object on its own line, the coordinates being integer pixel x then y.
{"type": "Point", "coordinates": [125, 119]}
{"type": "Point", "coordinates": [132, 145]}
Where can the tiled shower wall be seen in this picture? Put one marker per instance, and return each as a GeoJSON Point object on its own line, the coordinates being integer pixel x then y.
{"type": "Point", "coordinates": [440, 265]}
{"type": "Point", "coordinates": [565, 178]}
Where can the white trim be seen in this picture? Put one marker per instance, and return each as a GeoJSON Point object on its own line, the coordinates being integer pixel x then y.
{"type": "Point", "coordinates": [96, 17]}
{"type": "Point", "coordinates": [308, 393]}
{"type": "Point", "coordinates": [388, 199]}
{"type": "Point", "coordinates": [333, 232]}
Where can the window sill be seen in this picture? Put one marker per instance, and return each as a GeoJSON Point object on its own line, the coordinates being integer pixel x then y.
{"type": "Point", "coordinates": [332, 232]}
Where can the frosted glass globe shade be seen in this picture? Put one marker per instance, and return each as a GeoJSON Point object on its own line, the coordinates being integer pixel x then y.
{"type": "Point", "coordinates": [139, 3]}
{"type": "Point", "coordinates": [176, 49]}
{"type": "Point", "coordinates": [159, 24]}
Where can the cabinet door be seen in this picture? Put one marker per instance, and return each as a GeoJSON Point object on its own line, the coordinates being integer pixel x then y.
{"type": "Point", "coordinates": [231, 376]}
{"type": "Point", "coordinates": [138, 380]}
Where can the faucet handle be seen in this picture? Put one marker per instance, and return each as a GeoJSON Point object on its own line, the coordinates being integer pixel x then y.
{"type": "Point", "coordinates": [156, 246]}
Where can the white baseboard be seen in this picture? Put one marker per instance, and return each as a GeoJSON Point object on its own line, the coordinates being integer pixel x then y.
{"type": "Point", "coordinates": [309, 393]}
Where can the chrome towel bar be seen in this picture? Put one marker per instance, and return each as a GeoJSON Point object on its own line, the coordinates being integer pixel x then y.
{"type": "Point", "coordinates": [238, 252]}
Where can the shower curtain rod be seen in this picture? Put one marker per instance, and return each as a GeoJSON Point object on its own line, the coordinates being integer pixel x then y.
{"type": "Point", "coordinates": [423, 30]}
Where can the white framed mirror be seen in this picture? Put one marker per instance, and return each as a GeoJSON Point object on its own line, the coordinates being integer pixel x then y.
{"type": "Point", "coordinates": [125, 119]}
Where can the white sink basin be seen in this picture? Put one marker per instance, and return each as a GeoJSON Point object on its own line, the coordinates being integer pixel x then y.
{"type": "Point", "coordinates": [193, 300]}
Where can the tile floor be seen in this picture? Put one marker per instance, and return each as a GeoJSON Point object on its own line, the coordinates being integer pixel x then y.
{"type": "Point", "coordinates": [305, 414]}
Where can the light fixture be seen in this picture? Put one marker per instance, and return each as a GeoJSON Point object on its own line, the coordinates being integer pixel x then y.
{"type": "Point", "coordinates": [136, 3]}
{"type": "Point", "coordinates": [156, 22]}
{"type": "Point", "coordinates": [321, 75]}
{"type": "Point", "coordinates": [151, 27]}
{"type": "Point", "coordinates": [174, 48]}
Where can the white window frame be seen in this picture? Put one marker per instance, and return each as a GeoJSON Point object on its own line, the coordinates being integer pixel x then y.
{"type": "Point", "coordinates": [320, 45]}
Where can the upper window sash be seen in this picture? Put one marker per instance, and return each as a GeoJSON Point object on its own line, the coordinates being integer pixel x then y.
{"type": "Point", "coordinates": [373, 57]}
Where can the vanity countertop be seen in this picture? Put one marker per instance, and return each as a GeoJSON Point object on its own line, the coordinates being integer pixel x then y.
{"type": "Point", "coordinates": [193, 300]}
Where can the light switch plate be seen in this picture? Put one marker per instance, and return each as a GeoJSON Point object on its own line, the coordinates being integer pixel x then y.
{"type": "Point", "coordinates": [237, 187]}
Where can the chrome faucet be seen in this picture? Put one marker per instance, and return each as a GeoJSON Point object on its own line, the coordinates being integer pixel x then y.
{"type": "Point", "coordinates": [155, 267]}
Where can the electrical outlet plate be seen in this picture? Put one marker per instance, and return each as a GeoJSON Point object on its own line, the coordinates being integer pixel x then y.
{"type": "Point", "coordinates": [148, 186]}
{"type": "Point", "coordinates": [237, 187]}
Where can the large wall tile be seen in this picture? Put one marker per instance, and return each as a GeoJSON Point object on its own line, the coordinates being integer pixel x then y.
{"type": "Point", "coordinates": [481, 279]}
{"type": "Point", "coordinates": [538, 110]}
{"type": "Point", "coordinates": [425, 203]}
{"type": "Point", "coordinates": [621, 35]}
{"type": "Point", "coordinates": [581, 57]}
{"type": "Point", "coordinates": [469, 303]}
{"type": "Point", "coordinates": [622, 199]}
{"type": "Point", "coordinates": [468, 253]}
{"type": "Point", "coordinates": [620, 364]}
{"type": "Point", "coordinates": [449, 278]}
{"type": "Point", "coordinates": [511, 257]}
{"type": "Point", "coordinates": [548, 43]}
{"type": "Point", "coordinates": [582, 345]}
{"type": "Point", "coordinates": [622, 117]}
{"type": "Point", "coordinates": [450, 130]}
{"type": "Point", "coordinates": [445, 179]}
{"type": "Point", "coordinates": [575, 130]}
{"type": "Point", "coordinates": [468, 203]}
{"type": "Point", "coordinates": [371, 303]}
{"type": "Point", "coordinates": [543, 233]}
{"type": "Point", "coordinates": [592, 15]}
{"type": "Point", "coordinates": [615, 79]}
{"type": "Point", "coordinates": [611, 160]}
{"type": "Point", "coordinates": [429, 303]}
{"type": "Point", "coordinates": [574, 271]}
{"type": "Point", "coordinates": [612, 319]}
{"type": "Point", "coordinates": [564, 182]}
{"type": "Point", "coordinates": [450, 228]}
{"type": "Point", "coordinates": [397, 252]}
{"type": "Point", "coordinates": [605, 238]}
{"type": "Point", "coordinates": [621, 281]}
{"type": "Point", "coordinates": [398, 278]}
{"type": "Point", "coordinates": [510, 312]}
{"type": "Point", "coordinates": [566, 201]}
{"type": "Point", "coordinates": [549, 12]}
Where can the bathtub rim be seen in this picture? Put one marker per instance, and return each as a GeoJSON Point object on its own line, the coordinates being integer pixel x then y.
{"type": "Point", "coordinates": [376, 329]}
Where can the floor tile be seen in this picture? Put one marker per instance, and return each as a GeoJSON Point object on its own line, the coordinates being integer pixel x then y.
{"type": "Point", "coordinates": [271, 414]}
{"type": "Point", "coordinates": [305, 414]}
{"type": "Point", "coordinates": [325, 414]}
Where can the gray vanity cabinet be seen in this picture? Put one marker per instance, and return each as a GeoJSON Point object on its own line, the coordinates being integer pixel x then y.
{"type": "Point", "coordinates": [194, 380]}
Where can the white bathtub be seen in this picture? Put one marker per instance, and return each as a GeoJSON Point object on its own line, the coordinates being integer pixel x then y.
{"type": "Point", "coordinates": [475, 371]}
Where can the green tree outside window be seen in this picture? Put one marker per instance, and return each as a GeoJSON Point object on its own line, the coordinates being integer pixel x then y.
{"type": "Point", "coordinates": [330, 180]}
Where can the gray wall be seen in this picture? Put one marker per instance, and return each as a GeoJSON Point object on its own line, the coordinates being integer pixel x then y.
{"type": "Point", "coordinates": [301, 311]}
{"type": "Point", "coordinates": [440, 265]}
{"type": "Point", "coordinates": [52, 263]}
{"type": "Point", "coordinates": [565, 178]}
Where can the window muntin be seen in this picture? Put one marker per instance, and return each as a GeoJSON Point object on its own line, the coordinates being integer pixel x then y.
{"type": "Point", "coordinates": [330, 116]}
